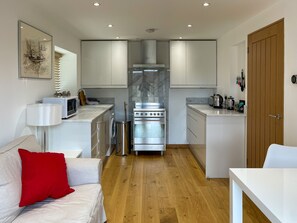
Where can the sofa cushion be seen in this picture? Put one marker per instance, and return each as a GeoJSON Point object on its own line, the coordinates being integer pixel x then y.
{"type": "Point", "coordinates": [43, 175]}
{"type": "Point", "coordinates": [10, 176]}
{"type": "Point", "coordinates": [85, 205]}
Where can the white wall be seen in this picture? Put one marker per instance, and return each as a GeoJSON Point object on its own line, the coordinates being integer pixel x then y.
{"type": "Point", "coordinates": [284, 9]}
{"type": "Point", "coordinates": [232, 49]}
{"type": "Point", "coordinates": [290, 102]}
{"type": "Point", "coordinates": [177, 124]}
{"type": "Point", "coordinates": [16, 93]}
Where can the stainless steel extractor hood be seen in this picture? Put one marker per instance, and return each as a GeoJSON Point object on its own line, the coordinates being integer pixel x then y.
{"type": "Point", "coordinates": [149, 55]}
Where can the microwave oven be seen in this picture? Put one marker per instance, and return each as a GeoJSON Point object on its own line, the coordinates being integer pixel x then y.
{"type": "Point", "coordinates": [69, 104]}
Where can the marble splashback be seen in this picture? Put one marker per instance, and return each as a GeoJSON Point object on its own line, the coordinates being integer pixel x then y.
{"type": "Point", "coordinates": [196, 100]}
{"type": "Point", "coordinates": [148, 85]}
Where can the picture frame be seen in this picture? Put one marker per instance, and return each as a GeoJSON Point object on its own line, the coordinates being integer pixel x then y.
{"type": "Point", "coordinates": [35, 49]}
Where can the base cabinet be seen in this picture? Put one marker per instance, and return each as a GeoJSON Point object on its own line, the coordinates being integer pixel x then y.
{"type": "Point", "coordinates": [92, 137]}
{"type": "Point", "coordinates": [217, 142]}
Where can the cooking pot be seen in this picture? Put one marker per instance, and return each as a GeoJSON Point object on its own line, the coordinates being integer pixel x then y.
{"type": "Point", "coordinates": [217, 101]}
{"type": "Point", "coordinates": [230, 103]}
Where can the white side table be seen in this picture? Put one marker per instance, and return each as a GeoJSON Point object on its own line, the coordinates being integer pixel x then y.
{"type": "Point", "coordinates": [69, 153]}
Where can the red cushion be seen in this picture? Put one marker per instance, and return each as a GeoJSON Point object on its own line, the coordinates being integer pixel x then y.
{"type": "Point", "coordinates": [43, 175]}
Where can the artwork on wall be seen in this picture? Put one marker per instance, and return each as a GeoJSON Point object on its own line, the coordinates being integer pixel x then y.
{"type": "Point", "coordinates": [35, 52]}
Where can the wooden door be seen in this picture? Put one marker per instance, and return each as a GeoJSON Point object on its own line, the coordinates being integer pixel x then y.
{"type": "Point", "coordinates": [265, 91]}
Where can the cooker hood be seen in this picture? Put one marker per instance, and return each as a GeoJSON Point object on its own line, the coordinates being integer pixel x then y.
{"type": "Point", "coordinates": [149, 55]}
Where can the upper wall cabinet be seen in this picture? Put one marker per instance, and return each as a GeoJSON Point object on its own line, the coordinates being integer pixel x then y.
{"type": "Point", "coordinates": [104, 64]}
{"type": "Point", "coordinates": [193, 64]}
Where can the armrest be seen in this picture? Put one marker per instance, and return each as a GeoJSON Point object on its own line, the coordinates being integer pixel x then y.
{"type": "Point", "coordinates": [83, 171]}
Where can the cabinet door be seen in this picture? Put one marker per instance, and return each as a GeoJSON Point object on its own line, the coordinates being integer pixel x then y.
{"type": "Point", "coordinates": [96, 63]}
{"type": "Point", "coordinates": [201, 63]}
{"type": "Point", "coordinates": [177, 63]}
{"type": "Point", "coordinates": [119, 63]}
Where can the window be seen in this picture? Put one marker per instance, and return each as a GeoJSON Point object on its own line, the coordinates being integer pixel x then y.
{"type": "Point", "coordinates": [57, 71]}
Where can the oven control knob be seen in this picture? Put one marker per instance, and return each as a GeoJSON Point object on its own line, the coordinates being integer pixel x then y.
{"type": "Point", "coordinates": [145, 113]}
{"type": "Point", "coordinates": [161, 113]}
{"type": "Point", "coordinates": [141, 113]}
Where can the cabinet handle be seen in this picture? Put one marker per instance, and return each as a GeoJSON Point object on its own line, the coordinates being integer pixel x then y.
{"type": "Point", "coordinates": [278, 116]}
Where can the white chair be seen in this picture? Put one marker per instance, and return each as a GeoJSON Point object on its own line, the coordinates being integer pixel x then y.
{"type": "Point", "coordinates": [279, 156]}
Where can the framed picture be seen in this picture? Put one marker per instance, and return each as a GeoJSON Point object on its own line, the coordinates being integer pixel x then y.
{"type": "Point", "coordinates": [35, 52]}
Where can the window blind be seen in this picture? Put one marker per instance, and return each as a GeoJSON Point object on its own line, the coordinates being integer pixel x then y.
{"type": "Point", "coordinates": [57, 71]}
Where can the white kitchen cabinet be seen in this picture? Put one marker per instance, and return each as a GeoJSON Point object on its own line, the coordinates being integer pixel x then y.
{"type": "Point", "coordinates": [104, 64]}
{"type": "Point", "coordinates": [196, 135]}
{"type": "Point", "coordinates": [177, 63]}
{"type": "Point", "coordinates": [87, 131]}
{"type": "Point", "coordinates": [216, 138]}
{"type": "Point", "coordinates": [119, 62]}
{"type": "Point", "coordinates": [193, 64]}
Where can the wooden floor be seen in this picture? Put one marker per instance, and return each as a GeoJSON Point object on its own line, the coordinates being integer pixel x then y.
{"type": "Point", "coordinates": [166, 189]}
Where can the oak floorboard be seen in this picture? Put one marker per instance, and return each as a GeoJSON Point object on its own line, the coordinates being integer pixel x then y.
{"type": "Point", "coordinates": [150, 188]}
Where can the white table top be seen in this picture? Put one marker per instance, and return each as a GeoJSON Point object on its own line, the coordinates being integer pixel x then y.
{"type": "Point", "coordinates": [210, 111]}
{"type": "Point", "coordinates": [274, 191]}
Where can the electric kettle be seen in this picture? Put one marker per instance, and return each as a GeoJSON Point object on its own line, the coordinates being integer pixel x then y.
{"type": "Point", "coordinates": [230, 103]}
{"type": "Point", "coordinates": [217, 101]}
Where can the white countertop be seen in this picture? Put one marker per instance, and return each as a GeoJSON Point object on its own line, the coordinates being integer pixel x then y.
{"type": "Point", "coordinates": [210, 111]}
{"type": "Point", "coordinates": [273, 190]}
{"type": "Point", "coordinates": [88, 112]}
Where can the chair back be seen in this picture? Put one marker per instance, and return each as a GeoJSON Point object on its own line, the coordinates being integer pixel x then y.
{"type": "Point", "coordinates": [279, 156]}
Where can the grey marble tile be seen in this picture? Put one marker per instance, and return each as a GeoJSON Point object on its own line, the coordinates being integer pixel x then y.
{"type": "Point", "coordinates": [194, 100]}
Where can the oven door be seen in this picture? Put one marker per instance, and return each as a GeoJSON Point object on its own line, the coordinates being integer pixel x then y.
{"type": "Point", "coordinates": [149, 131]}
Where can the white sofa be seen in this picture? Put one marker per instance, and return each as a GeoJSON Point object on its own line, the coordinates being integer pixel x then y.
{"type": "Point", "coordinates": [85, 204]}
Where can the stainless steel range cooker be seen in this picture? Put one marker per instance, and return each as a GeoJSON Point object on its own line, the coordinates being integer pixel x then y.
{"type": "Point", "coordinates": [149, 127]}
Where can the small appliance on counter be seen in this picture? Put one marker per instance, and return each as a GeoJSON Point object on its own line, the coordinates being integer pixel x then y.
{"type": "Point", "coordinates": [230, 103]}
{"type": "Point", "coordinates": [241, 106]}
{"type": "Point", "coordinates": [218, 101]}
{"type": "Point", "coordinates": [69, 104]}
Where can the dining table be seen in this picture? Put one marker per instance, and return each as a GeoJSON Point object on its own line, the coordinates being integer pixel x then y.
{"type": "Point", "coordinates": [273, 190]}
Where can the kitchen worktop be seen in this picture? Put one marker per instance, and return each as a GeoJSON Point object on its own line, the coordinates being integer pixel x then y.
{"type": "Point", "coordinates": [88, 112]}
{"type": "Point", "coordinates": [210, 111]}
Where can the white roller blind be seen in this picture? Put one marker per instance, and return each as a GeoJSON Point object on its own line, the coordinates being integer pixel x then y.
{"type": "Point", "coordinates": [57, 71]}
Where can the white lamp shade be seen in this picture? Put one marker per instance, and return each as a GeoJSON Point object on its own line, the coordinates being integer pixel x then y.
{"type": "Point", "coordinates": [44, 114]}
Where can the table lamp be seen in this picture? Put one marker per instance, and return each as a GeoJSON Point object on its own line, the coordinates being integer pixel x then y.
{"type": "Point", "coordinates": [44, 115]}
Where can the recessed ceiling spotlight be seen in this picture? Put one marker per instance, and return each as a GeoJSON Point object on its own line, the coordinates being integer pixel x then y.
{"type": "Point", "coordinates": [189, 25]}
{"type": "Point", "coordinates": [180, 37]}
{"type": "Point", "coordinates": [205, 4]}
{"type": "Point", "coordinates": [96, 4]}
{"type": "Point", "coordinates": [117, 37]}
{"type": "Point", "coordinates": [44, 39]}
{"type": "Point", "coordinates": [110, 25]}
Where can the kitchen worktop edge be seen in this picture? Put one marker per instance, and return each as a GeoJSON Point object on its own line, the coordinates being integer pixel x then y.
{"type": "Point", "coordinates": [210, 111]}
{"type": "Point", "coordinates": [88, 113]}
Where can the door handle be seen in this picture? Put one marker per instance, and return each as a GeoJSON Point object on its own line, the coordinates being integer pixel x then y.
{"type": "Point", "coordinates": [278, 116]}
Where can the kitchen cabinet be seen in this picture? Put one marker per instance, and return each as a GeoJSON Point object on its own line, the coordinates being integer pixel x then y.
{"type": "Point", "coordinates": [104, 64]}
{"type": "Point", "coordinates": [87, 131]}
{"type": "Point", "coordinates": [193, 64]}
{"type": "Point", "coordinates": [216, 138]}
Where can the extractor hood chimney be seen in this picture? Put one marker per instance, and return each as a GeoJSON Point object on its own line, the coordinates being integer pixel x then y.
{"type": "Point", "coordinates": [149, 55]}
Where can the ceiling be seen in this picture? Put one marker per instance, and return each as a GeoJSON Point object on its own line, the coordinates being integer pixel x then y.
{"type": "Point", "coordinates": [131, 18]}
